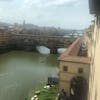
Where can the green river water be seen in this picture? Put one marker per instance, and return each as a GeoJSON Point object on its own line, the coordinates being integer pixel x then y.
{"type": "Point", "coordinates": [21, 72]}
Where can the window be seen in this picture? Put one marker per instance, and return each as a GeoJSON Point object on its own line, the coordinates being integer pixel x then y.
{"type": "Point", "coordinates": [80, 70]}
{"type": "Point", "coordinates": [65, 68]}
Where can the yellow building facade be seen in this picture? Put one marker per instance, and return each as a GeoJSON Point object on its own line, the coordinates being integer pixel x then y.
{"type": "Point", "coordinates": [4, 38]}
{"type": "Point", "coordinates": [93, 43]}
{"type": "Point", "coordinates": [72, 65]}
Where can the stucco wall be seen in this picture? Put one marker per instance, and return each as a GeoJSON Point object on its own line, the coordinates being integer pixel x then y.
{"type": "Point", "coordinates": [4, 38]}
{"type": "Point", "coordinates": [66, 76]}
{"type": "Point", "coordinates": [94, 85]}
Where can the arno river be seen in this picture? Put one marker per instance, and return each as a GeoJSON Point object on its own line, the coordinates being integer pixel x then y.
{"type": "Point", "coordinates": [21, 72]}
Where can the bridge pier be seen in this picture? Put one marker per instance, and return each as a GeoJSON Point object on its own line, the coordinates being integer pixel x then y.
{"type": "Point", "coordinates": [53, 51]}
{"type": "Point", "coordinates": [34, 49]}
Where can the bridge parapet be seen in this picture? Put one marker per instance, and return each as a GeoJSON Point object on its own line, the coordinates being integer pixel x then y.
{"type": "Point", "coordinates": [48, 41]}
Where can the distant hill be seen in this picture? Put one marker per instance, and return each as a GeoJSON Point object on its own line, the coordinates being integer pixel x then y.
{"type": "Point", "coordinates": [43, 29]}
{"type": "Point", "coordinates": [3, 24]}
{"type": "Point", "coordinates": [30, 26]}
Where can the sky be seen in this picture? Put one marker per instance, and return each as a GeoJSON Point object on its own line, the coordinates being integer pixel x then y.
{"type": "Point", "coordinates": [69, 14]}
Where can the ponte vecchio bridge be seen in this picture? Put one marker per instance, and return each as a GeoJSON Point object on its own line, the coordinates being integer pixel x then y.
{"type": "Point", "coordinates": [29, 41]}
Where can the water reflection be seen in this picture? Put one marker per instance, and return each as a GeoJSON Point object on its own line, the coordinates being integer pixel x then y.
{"type": "Point", "coordinates": [20, 72]}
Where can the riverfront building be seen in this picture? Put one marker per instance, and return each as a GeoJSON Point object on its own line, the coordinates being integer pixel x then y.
{"type": "Point", "coordinates": [4, 38]}
{"type": "Point", "coordinates": [94, 52]}
{"type": "Point", "coordinates": [74, 63]}
{"type": "Point", "coordinates": [70, 63]}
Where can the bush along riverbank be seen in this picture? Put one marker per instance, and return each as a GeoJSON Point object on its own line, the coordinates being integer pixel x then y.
{"type": "Point", "coordinates": [44, 92]}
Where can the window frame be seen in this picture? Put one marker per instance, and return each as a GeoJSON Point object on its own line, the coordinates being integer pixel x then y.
{"type": "Point", "coordinates": [65, 68]}
{"type": "Point", "coordinates": [80, 70]}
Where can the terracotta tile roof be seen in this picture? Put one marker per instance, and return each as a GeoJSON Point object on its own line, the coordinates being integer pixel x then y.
{"type": "Point", "coordinates": [73, 49]}
{"type": "Point", "coordinates": [71, 53]}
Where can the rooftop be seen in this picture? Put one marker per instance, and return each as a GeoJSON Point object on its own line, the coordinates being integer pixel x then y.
{"type": "Point", "coordinates": [71, 53]}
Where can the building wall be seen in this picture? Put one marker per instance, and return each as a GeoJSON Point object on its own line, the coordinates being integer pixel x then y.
{"type": "Point", "coordinates": [88, 39]}
{"type": "Point", "coordinates": [72, 71]}
{"type": "Point", "coordinates": [4, 38]}
{"type": "Point", "coordinates": [94, 85]}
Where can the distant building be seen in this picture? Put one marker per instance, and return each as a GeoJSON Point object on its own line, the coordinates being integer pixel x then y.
{"type": "Point", "coordinates": [4, 38]}
{"type": "Point", "coordinates": [73, 63]}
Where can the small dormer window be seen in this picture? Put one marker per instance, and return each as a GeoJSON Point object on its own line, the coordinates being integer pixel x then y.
{"type": "Point", "coordinates": [80, 70]}
{"type": "Point", "coordinates": [65, 68]}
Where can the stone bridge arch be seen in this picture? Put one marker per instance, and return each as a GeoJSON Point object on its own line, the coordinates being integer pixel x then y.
{"type": "Point", "coordinates": [53, 45]}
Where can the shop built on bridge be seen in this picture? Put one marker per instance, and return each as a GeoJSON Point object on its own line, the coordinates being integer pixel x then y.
{"type": "Point", "coordinates": [23, 40]}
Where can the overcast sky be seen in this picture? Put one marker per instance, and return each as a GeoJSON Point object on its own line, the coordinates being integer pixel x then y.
{"type": "Point", "coordinates": [70, 14]}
